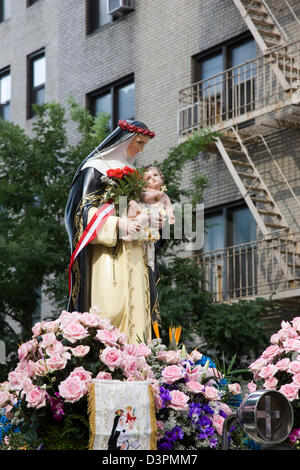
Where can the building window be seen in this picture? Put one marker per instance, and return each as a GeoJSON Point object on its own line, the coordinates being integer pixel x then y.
{"type": "Point", "coordinates": [97, 15]}
{"type": "Point", "coordinates": [31, 2]}
{"type": "Point", "coordinates": [230, 250]}
{"type": "Point", "coordinates": [4, 10]}
{"type": "Point", "coordinates": [37, 80]}
{"type": "Point", "coordinates": [116, 99]}
{"type": "Point", "coordinates": [230, 94]}
{"type": "Point", "coordinates": [5, 94]}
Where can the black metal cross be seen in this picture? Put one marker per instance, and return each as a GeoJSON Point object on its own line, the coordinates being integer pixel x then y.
{"type": "Point", "coordinates": [268, 414]}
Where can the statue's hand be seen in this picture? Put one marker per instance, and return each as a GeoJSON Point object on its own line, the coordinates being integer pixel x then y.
{"type": "Point", "coordinates": [128, 226]}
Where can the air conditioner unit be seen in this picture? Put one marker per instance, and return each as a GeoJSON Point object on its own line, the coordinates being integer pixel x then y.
{"type": "Point", "coordinates": [120, 7]}
{"type": "Point", "coordinates": [189, 117]}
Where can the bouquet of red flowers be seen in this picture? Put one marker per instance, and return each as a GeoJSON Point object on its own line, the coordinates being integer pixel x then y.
{"type": "Point", "coordinates": [126, 182]}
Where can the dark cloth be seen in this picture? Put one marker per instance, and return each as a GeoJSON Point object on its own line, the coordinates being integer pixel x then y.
{"type": "Point", "coordinates": [87, 191]}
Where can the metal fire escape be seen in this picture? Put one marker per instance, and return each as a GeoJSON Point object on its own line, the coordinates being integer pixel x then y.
{"type": "Point", "coordinates": [269, 36]}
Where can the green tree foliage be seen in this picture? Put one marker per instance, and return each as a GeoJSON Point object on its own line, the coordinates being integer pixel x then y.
{"type": "Point", "coordinates": [35, 178]}
{"type": "Point", "coordinates": [237, 328]}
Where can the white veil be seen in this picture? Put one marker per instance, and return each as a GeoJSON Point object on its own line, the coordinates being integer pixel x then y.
{"type": "Point", "coordinates": [115, 157]}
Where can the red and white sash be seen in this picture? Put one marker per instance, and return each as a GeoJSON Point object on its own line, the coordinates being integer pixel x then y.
{"type": "Point", "coordinates": [91, 231]}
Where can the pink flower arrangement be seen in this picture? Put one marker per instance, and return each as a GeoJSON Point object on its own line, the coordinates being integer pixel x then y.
{"type": "Point", "coordinates": [56, 363]}
{"type": "Point", "coordinates": [278, 367]}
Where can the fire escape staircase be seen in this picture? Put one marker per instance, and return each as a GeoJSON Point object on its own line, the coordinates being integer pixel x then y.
{"type": "Point", "coordinates": [259, 200]}
{"type": "Point", "coordinates": [269, 35]}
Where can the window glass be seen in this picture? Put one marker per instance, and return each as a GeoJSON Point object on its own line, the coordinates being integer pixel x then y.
{"type": "Point", "coordinates": [103, 18]}
{"type": "Point", "coordinates": [240, 54]}
{"type": "Point", "coordinates": [210, 67]}
{"type": "Point", "coordinates": [103, 104]}
{"type": "Point", "coordinates": [39, 71]}
{"type": "Point", "coordinates": [5, 90]}
{"type": "Point", "coordinates": [214, 233]}
{"type": "Point", "coordinates": [243, 226]}
{"type": "Point", "coordinates": [126, 102]}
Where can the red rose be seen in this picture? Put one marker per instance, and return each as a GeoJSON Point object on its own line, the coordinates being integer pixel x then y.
{"type": "Point", "coordinates": [127, 170]}
{"type": "Point", "coordinates": [110, 173]}
{"type": "Point", "coordinates": [118, 173]}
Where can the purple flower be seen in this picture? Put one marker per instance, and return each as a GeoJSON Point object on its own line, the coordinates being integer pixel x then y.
{"type": "Point", "coordinates": [165, 395]}
{"type": "Point", "coordinates": [57, 406]}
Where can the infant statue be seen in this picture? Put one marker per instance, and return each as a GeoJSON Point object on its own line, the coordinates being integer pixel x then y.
{"type": "Point", "coordinates": [154, 203]}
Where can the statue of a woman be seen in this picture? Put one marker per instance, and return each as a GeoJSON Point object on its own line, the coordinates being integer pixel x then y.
{"type": "Point", "coordinates": [106, 271]}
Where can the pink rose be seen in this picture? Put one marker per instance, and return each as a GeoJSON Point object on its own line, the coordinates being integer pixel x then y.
{"type": "Point", "coordinates": [290, 391]}
{"type": "Point", "coordinates": [283, 364]}
{"type": "Point", "coordinates": [218, 422]}
{"type": "Point", "coordinates": [104, 376]}
{"type": "Point", "coordinates": [56, 362]}
{"type": "Point", "coordinates": [161, 355]}
{"type": "Point", "coordinates": [74, 331]}
{"type": "Point", "coordinates": [27, 385]}
{"type": "Point", "coordinates": [296, 323]}
{"type": "Point", "coordinates": [294, 367]}
{"type": "Point", "coordinates": [211, 393]}
{"type": "Point", "coordinates": [37, 329]}
{"type": "Point", "coordinates": [268, 371]}
{"type": "Point", "coordinates": [72, 389]}
{"type": "Point", "coordinates": [26, 348]}
{"type": "Point", "coordinates": [296, 380]}
{"type": "Point", "coordinates": [194, 387]}
{"type": "Point", "coordinates": [172, 373]}
{"type": "Point", "coordinates": [158, 402]}
{"type": "Point", "coordinates": [129, 366]}
{"type": "Point", "coordinates": [4, 398]}
{"type": "Point", "coordinates": [48, 340]}
{"type": "Point", "coordinates": [122, 338]}
{"type": "Point", "coordinates": [178, 400]}
{"type": "Point", "coordinates": [225, 408]}
{"type": "Point", "coordinates": [160, 425]}
{"type": "Point", "coordinates": [26, 367]}
{"type": "Point", "coordinates": [50, 326]}
{"type": "Point", "coordinates": [172, 357]}
{"type": "Point", "coordinates": [80, 351]}
{"type": "Point", "coordinates": [89, 320]}
{"type": "Point", "coordinates": [271, 383]}
{"type": "Point", "coordinates": [258, 364]}
{"type": "Point", "coordinates": [291, 344]}
{"type": "Point", "coordinates": [292, 332]}
{"type": "Point", "coordinates": [109, 337]}
{"type": "Point", "coordinates": [41, 367]}
{"type": "Point", "coordinates": [111, 357]}
{"type": "Point", "coordinates": [15, 380]}
{"type": "Point", "coordinates": [130, 349]}
{"type": "Point", "coordinates": [252, 386]}
{"type": "Point", "coordinates": [84, 375]}
{"type": "Point", "coordinates": [105, 324]}
{"type": "Point", "coordinates": [235, 389]}
{"type": "Point", "coordinates": [36, 397]}
{"type": "Point", "coordinates": [195, 355]}
{"type": "Point", "coordinates": [275, 339]}
{"type": "Point", "coordinates": [143, 350]}
{"type": "Point", "coordinates": [271, 352]}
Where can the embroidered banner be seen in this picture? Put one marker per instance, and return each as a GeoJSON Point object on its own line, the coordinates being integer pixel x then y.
{"type": "Point", "coordinates": [121, 416]}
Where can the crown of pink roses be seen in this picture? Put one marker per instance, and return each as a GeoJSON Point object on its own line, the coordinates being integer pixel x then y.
{"type": "Point", "coordinates": [125, 126]}
{"type": "Point", "coordinates": [119, 412]}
